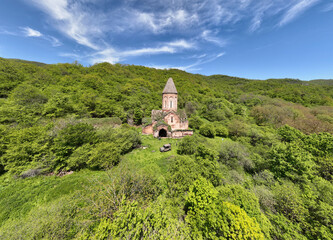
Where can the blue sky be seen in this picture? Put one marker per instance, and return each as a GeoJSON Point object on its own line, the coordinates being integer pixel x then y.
{"type": "Point", "coordinates": [255, 39]}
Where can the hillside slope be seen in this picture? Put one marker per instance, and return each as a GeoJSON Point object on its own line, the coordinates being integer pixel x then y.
{"type": "Point", "coordinates": [259, 165]}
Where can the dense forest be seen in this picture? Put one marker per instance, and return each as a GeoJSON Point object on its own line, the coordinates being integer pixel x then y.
{"type": "Point", "coordinates": [74, 164]}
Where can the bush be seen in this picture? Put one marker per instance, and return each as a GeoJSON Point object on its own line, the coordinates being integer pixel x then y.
{"type": "Point", "coordinates": [211, 218]}
{"type": "Point", "coordinates": [289, 202]}
{"type": "Point", "coordinates": [207, 130]}
{"type": "Point", "coordinates": [195, 122]}
{"type": "Point", "coordinates": [79, 157]}
{"type": "Point", "coordinates": [104, 155]}
{"type": "Point", "coordinates": [137, 118]}
{"type": "Point", "coordinates": [69, 139]}
{"type": "Point", "coordinates": [183, 170]}
{"type": "Point", "coordinates": [188, 145]}
{"type": "Point", "coordinates": [221, 131]}
{"type": "Point", "coordinates": [25, 149]}
{"type": "Point", "coordinates": [238, 129]}
{"type": "Point", "coordinates": [235, 155]}
{"type": "Point", "coordinates": [289, 134]}
{"type": "Point", "coordinates": [291, 161]}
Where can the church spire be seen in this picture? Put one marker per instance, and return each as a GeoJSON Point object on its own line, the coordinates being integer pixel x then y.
{"type": "Point", "coordinates": [169, 96]}
{"type": "Point", "coordinates": [170, 87]}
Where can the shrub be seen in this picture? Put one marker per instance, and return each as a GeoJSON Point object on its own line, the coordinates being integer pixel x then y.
{"type": "Point", "coordinates": [289, 202]}
{"type": "Point", "coordinates": [69, 139]}
{"type": "Point", "coordinates": [79, 157]}
{"type": "Point", "coordinates": [137, 118]}
{"type": "Point", "coordinates": [235, 155]}
{"type": "Point", "coordinates": [238, 128]}
{"type": "Point", "coordinates": [211, 218]}
{"type": "Point", "coordinates": [291, 161]}
{"type": "Point", "coordinates": [207, 130]}
{"type": "Point", "coordinates": [104, 155]}
{"type": "Point", "coordinates": [221, 131]}
{"type": "Point", "coordinates": [182, 171]}
{"type": "Point", "coordinates": [188, 145]}
{"type": "Point", "coordinates": [195, 122]}
{"type": "Point", "coordinates": [289, 134]}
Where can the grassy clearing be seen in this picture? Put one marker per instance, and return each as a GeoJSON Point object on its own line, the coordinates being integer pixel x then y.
{"type": "Point", "coordinates": [23, 195]}
{"type": "Point", "coordinates": [149, 157]}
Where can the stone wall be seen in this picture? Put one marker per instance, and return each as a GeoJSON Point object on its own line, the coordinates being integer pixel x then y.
{"type": "Point", "coordinates": [148, 129]}
{"type": "Point", "coordinates": [167, 98]}
{"type": "Point", "coordinates": [175, 122]}
{"type": "Point", "coordinates": [181, 133]}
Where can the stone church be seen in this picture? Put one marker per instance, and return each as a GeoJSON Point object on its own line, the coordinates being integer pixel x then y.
{"type": "Point", "coordinates": [168, 122]}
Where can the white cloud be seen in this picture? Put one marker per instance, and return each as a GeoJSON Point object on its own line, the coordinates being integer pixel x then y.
{"type": "Point", "coordinates": [181, 44]}
{"type": "Point", "coordinates": [191, 67]}
{"type": "Point", "coordinates": [145, 22]}
{"type": "Point", "coordinates": [54, 41]}
{"type": "Point", "coordinates": [71, 55]}
{"type": "Point", "coordinates": [296, 10]}
{"type": "Point", "coordinates": [160, 22]}
{"type": "Point", "coordinates": [72, 20]}
{"type": "Point", "coordinates": [148, 51]}
{"type": "Point", "coordinates": [208, 36]}
{"type": "Point", "coordinates": [29, 32]}
{"type": "Point", "coordinates": [111, 55]}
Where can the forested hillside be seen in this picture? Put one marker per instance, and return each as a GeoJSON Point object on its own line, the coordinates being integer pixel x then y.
{"type": "Point", "coordinates": [74, 164]}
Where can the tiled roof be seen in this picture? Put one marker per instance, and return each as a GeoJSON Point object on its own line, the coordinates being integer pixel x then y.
{"type": "Point", "coordinates": [170, 87]}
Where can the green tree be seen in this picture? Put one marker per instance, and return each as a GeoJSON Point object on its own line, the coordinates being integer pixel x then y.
{"type": "Point", "coordinates": [210, 218]}
{"type": "Point", "coordinates": [207, 130]}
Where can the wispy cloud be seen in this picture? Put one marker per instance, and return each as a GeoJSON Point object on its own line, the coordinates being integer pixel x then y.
{"type": "Point", "coordinates": [6, 32]}
{"type": "Point", "coordinates": [29, 32]}
{"type": "Point", "coordinates": [208, 36]}
{"type": "Point", "coordinates": [72, 20]}
{"type": "Point", "coordinates": [54, 41]}
{"type": "Point", "coordinates": [193, 66]}
{"type": "Point", "coordinates": [188, 27]}
{"type": "Point", "coordinates": [113, 56]}
{"type": "Point", "coordinates": [296, 10]}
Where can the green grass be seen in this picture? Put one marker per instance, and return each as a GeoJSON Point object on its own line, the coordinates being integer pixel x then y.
{"type": "Point", "coordinates": [49, 200]}
{"type": "Point", "coordinates": [151, 159]}
{"type": "Point", "coordinates": [22, 195]}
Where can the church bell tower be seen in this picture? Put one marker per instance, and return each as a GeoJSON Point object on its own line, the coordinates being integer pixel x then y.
{"type": "Point", "coordinates": [169, 96]}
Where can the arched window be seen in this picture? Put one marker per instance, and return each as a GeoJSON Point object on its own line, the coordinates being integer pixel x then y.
{"type": "Point", "coordinates": [171, 104]}
{"type": "Point", "coordinates": [171, 119]}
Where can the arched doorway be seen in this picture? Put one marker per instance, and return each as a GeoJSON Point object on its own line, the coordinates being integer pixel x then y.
{"type": "Point", "coordinates": [162, 133]}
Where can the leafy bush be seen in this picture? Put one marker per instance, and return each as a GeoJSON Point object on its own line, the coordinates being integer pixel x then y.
{"type": "Point", "coordinates": [69, 139]}
{"type": "Point", "coordinates": [99, 156]}
{"type": "Point", "coordinates": [188, 145]}
{"type": "Point", "coordinates": [235, 155]}
{"type": "Point", "coordinates": [104, 155]}
{"type": "Point", "coordinates": [182, 171]}
{"type": "Point", "coordinates": [221, 130]}
{"type": "Point", "coordinates": [291, 161]}
{"type": "Point", "coordinates": [207, 130]}
{"type": "Point", "coordinates": [195, 122]}
{"type": "Point", "coordinates": [210, 218]}
{"type": "Point", "coordinates": [289, 201]}
{"type": "Point", "coordinates": [25, 149]}
{"type": "Point", "coordinates": [290, 134]}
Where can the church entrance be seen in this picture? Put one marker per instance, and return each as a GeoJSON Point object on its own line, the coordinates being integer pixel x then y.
{"type": "Point", "coordinates": [162, 133]}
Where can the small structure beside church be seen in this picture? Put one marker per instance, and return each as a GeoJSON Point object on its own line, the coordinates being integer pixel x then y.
{"type": "Point", "coordinates": [168, 122]}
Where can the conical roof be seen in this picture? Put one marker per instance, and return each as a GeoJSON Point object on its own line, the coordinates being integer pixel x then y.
{"type": "Point", "coordinates": [170, 87]}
